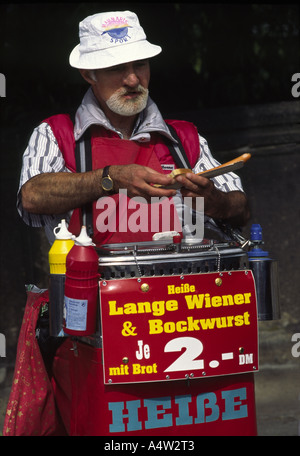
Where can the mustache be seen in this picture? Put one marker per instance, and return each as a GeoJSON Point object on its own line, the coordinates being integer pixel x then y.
{"type": "Point", "coordinates": [127, 91]}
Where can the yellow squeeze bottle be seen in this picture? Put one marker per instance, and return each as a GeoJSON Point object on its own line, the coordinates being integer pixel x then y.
{"type": "Point", "coordinates": [64, 241]}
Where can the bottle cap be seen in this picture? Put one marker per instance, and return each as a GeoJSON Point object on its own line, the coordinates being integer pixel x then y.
{"type": "Point", "coordinates": [83, 239]}
{"type": "Point", "coordinates": [63, 232]}
{"type": "Point", "coordinates": [256, 232]}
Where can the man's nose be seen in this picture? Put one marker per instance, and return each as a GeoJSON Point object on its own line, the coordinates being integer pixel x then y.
{"type": "Point", "coordinates": [131, 79]}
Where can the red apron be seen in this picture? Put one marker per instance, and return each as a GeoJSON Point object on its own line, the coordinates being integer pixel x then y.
{"type": "Point", "coordinates": [117, 218]}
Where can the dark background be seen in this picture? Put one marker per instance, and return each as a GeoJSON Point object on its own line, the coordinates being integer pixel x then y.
{"type": "Point", "coordinates": [213, 54]}
{"type": "Point", "coordinates": [227, 67]}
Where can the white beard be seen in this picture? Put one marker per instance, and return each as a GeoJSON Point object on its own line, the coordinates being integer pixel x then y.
{"type": "Point", "coordinates": [128, 107]}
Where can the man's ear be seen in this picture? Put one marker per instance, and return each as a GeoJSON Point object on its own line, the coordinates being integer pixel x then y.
{"type": "Point", "coordinates": [88, 75]}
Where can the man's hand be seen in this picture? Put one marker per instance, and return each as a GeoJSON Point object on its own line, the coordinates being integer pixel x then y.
{"type": "Point", "coordinates": [139, 180]}
{"type": "Point", "coordinates": [231, 206]}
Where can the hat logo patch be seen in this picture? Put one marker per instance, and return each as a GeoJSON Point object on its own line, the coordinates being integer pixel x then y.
{"type": "Point", "coordinates": [117, 29]}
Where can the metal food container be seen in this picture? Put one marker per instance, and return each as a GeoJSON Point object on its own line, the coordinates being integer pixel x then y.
{"type": "Point", "coordinates": [158, 258]}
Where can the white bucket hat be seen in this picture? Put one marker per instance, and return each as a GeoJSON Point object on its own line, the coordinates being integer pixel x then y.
{"type": "Point", "coordinates": [108, 39]}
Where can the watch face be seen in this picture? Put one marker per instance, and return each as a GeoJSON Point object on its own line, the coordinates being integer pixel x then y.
{"type": "Point", "coordinates": [107, 184]}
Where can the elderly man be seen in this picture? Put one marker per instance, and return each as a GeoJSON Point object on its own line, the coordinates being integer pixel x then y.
{"type": "Point", "coordinates": [129, 142]}
{"type": "Point", "coordinates": [119, 148]}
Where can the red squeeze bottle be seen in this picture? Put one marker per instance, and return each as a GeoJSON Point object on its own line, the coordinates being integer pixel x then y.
{"type": "Point", "coordinates": [81, 287]}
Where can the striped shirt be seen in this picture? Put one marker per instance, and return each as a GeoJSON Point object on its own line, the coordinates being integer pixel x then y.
{"type": "Point", "coordinates": [42, 154]}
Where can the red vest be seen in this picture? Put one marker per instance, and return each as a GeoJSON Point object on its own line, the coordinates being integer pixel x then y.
{"type": "Point", "coordinates": [118, 218]}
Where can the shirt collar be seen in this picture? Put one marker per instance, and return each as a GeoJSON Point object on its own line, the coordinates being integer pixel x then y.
{"type": "Point", "coordinates": [149, 120]}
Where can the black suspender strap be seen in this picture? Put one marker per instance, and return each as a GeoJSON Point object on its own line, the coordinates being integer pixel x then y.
{"type": "Point", "coordinates": [83, 159]}
{"type": "Point", "coordinates": [83, 153]}
{"type": "Point", "coordinates": [177, 151]}
{"type": "Point", "coordinates": [179, 155]}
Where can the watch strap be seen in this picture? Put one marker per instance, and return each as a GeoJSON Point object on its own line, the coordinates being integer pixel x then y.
{"type": "Point", "coordinates": [105, 171]}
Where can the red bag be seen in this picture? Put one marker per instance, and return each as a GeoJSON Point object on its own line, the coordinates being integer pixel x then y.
{"type": "Point", "coordinates": [31, 408]}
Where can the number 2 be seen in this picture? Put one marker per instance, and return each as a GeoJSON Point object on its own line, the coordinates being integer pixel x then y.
{"type": "Point", "coordinates": [186, 361]}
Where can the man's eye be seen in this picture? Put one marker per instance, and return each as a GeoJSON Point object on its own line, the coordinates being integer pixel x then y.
{"type": "Point", "coordinates": [141, 63]}
{"type": "Point", "coordinates": [115, 69]}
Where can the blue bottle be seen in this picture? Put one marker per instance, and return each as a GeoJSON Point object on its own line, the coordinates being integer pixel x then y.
{"type": "Point", "coordinates": [265, 272]}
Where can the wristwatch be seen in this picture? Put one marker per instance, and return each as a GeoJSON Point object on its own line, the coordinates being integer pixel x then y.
{"type": "Point", "coordinates": [106, 181]}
